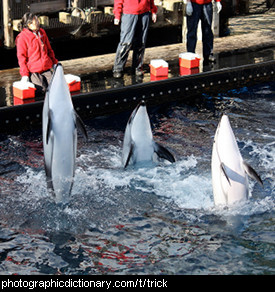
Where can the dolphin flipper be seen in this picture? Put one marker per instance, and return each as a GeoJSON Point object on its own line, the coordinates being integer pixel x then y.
{"type": "Point", "coordinates": [252, 173]}
{"type": "Point", "coordinates": [129, 155]}
{"type": "Point", "coordinates": [48, 168]}
{"type": "Point", "coordinates": [48, 161]}
{"type": "Point", "coordinates": [163, 152]}
{"type": "Point", "coordinates": [224, 172]}
{"type": "Point", "coordinates": [80, 125]}
{"type": "Point", "coordinates": [49, 126]}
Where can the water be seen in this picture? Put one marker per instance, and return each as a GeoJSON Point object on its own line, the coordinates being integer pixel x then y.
{"type": "Point", "coordinates": [151, 220]}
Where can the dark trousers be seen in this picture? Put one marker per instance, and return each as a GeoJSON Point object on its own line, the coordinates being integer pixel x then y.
{"type": "Point", "coordinates": [204, 13]}
{"type": "Point", "coordinates": [133, 34]}
{"type": "Point", "coordinates": [41, 81]}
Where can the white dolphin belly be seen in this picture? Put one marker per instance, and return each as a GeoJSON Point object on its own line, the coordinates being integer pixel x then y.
{"type": "Point", "coordinates": [229, 171]}
{"type": "Point", "coordinates": [60, 136]}
{"type": "Point", "coordinates": [138, 144]}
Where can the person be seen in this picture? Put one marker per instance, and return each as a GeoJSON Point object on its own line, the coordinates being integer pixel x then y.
{"type": "Point", "coordinates": [134, 17]}
{"type": "Point", "coordinates": [34, 53]}
{"type": "Point", "coordinates": [201, 10]}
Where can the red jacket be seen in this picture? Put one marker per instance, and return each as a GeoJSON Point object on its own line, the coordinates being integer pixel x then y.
{"type": "Point", "coordinates": [34, 52]}
{"type": "Point", "coordinates": [203, 1]}
{"type": "Point", "coordinates": [133, 7]}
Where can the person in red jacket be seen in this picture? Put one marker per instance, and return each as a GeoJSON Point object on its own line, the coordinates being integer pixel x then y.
{"type": "Point", "coordinates": [201, 10]}
{"type": "Point", "coordinates": [134, 16]}
{"type": "Point", "coordinates": [34, 53]}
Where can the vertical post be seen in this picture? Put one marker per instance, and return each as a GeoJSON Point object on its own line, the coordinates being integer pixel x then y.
{"type": "Point", "coordinates": [184, 25]}
{"type": "Point", "coordinates": [8, 29]}
{"type": "Point", "coordinates": [216, 22]}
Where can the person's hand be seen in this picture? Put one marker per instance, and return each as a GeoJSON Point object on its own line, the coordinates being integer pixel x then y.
{"type": "Point", "coordinates": [116, 21]}
{"type": "Point", "coordinates": [25, 79]}
{"type": "Point", "coordinates": [189, 8]}
{"type": "Point", "coordinates": [218, 7]}
{"type": "Point", "coordinates": [154, 17]}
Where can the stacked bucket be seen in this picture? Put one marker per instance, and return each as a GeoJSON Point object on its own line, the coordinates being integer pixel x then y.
{"type": "Point", "coordinates": [158, 69]}
{"type": "Point", "coordinates": [189, 63]}
{"type": "Point", "coordinates": [23, 92]}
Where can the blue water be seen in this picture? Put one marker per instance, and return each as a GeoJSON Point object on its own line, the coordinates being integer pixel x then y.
{"type": "Point", "coordinates": [151, 220]}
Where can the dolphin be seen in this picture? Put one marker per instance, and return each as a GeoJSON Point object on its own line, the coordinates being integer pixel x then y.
{"type": "Point", "coordinates": [229, 171]}
{"type": "Point", "coordinates": [59, 125]}
{"type": "Point", "coordinates": [138, 144]}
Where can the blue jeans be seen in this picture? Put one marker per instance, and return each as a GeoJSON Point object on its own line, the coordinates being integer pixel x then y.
{"type": "Point", "coordinates": [203, 12]}
{"type": "Point", "coordinates": [133, 34]}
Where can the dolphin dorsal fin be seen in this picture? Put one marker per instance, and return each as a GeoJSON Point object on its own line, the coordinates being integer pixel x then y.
{"type": "Point", "coordinates": [80, 125]}
{"type": "Point", "coordinates": [162, 152]}
{"type": "Point", "coordinates": [252, 173]}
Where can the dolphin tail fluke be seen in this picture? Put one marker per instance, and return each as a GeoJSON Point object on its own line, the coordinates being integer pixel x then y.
{"type": "Point", "coordinates": [129, 155]}
{"type": "Point", "coordinates": [252, 173]}
{"type": "Point", "coordinates": [80, 125]}
{"type": "Point", "coordinates": [164, 153]}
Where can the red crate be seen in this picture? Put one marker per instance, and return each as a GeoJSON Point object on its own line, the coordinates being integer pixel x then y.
{"type": "Point", "coordinates": [74, 86]}
{"type": "Point", "coordinates": [159, 72]}
{"type": "Point", "coordinates": [157, 78]}
{"type": "Point", "coordinates": [23, 90]}
{"type": "Point", "coordinates": [189, 60]}
{"type": "Point", "coordinates": [159, 68]}
{"type": "Point", "coordinates": [189, 71]}
{"type": "Point", "coordinates": [74, 82]}
{"type": "Point", "coordinates": [19, 101]}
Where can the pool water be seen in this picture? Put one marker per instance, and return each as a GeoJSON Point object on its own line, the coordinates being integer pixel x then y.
{"type": "Point", "coordinates": [147, 220]}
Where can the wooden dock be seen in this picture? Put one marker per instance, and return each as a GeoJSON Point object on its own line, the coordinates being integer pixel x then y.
{"type": "Point", "coordinates": [96, 102]}
{"type": "Point", "coordinates": [226, 45]}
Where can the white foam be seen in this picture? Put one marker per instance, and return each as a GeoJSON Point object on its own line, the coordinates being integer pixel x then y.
{"type": "Point", "coordinates": [265, 156]}
{"type": "Point", "coordinates": [185, 183]}
{"type": "Point", "coordinates": [174, 181]}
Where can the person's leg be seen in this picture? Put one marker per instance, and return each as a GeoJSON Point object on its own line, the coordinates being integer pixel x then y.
{"type": "Point", "coordinates": [128, 25]}
{"type": "Point", "coordinates": [47, 78]}
{"type": "Point", "coordinates": [207, 34]}
{"type": "Point", "coordinates": [192, 27]}
{"type": "Point", "coordinates": [139, 42]}
{"type": "Point", "coordinates": [41, 81]}
{"type": "Point", "coordinates": [38, 81]}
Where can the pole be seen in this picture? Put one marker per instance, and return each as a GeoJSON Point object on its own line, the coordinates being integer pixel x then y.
{"type": "Point", "coordinates": [8, 29]}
